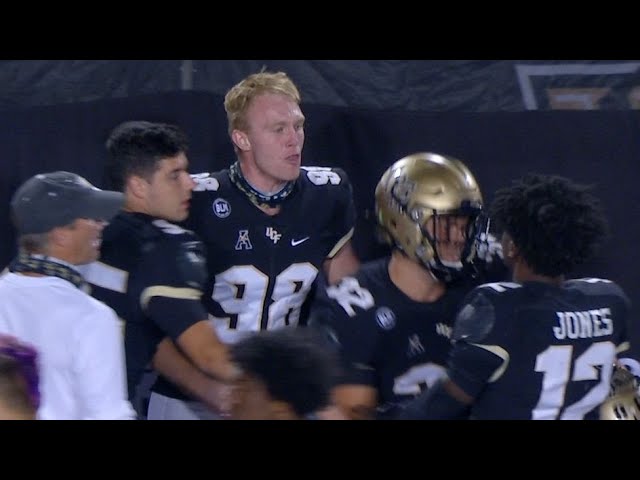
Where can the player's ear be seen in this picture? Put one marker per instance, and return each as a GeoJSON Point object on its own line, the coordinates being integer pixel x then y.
{"type": "Point", "coordinates": [241, 140]}
{"type": "Point", "coordinates": [60, 236]}
{"type": "Point", "coordinates": [509, 249]}
{"type": "Point", "coordinates": [512, 250]}
{"type": "Point", "coordinates": [137, 186]}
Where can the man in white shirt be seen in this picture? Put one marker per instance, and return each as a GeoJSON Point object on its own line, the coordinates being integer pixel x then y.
{"type": "Point", "coordinates": [59, 218]}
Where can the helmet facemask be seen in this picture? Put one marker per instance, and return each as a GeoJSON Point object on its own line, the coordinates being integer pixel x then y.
{"type": "Point", "coordinates": [452, 257]}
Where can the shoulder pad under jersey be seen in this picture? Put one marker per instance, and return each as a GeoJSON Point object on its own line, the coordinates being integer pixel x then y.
{"type": "Point", "coordinates": [136, 228]}
{"type": "Point", "coordinates": [475, 319]}
{"type": "Point", "coordinates": [205, 181]}
{"type": "Point", "coordinates": [192, 263]}
{"type": "Point", "coordinates": [324, 175]}
{"type": "Point", "coordinates": [598, 286]}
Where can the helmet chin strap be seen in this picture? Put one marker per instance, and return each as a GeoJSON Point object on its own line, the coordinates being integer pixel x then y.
{"type": "Point", "coordinates": [445, 270]}
{"type": "Point", "coordinates": [257, 197]}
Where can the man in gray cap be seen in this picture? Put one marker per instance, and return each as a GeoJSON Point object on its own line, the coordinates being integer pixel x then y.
{"type": "Point", "coordinates": [59, 217]}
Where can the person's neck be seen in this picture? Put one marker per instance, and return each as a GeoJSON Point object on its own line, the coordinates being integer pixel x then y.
{"type": "Point", "coordinates": [266, 186]}
{"type": "Point", "coordinates": [415, 281]}
{"type": "Point", "coordinates": [132, 206]}
{"type": "Point", "coordinates": [33, 264]}
{"type": "Point", "coordinates": [522, 273]}
{"type": "Point", "coordinates": [57, 257]}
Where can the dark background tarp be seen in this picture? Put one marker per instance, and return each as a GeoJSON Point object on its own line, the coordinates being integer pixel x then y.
{"type": "Point", "coordinates": [599, 147]}
{"type": "Point", "coordinates": [405, 85]}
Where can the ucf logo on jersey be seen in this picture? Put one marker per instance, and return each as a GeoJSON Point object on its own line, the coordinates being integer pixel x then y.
{"type": "Point", "coordinates": [273, 234]}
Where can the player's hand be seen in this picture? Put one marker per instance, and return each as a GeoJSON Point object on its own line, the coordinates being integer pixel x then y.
{"type": "Point", "coordinates": [228, 372]}
{"type": "Point", "coordinates": [218, 396]}
{"type": "Point", "coordinates": [489, 248]}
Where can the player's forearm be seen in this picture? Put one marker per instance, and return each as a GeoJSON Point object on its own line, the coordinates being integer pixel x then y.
{"type": "Point", "coordinates": [171, 364]}
{"type": "Point", "coordinates": [175, 367]}
{"type": "Point", "coordinates": [344, 263]}
{"type": "Point", "coordinates": [215, 362]}
{"type": "Point", "coordinates": [202, 346]}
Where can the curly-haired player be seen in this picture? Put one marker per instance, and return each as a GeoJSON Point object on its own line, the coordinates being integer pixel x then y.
{"type": "Point", "coordinates": [542, 347]}
{"type": "Point", "coordinates": [287, 374]}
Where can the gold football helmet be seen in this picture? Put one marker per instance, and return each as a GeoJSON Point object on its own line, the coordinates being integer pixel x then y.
{"type": "Point", "coordinates": [625, 406]}
{"type": "Point", "coordinates": [623, 402]}
{"type": "Point", "coordinates": [422, 186]}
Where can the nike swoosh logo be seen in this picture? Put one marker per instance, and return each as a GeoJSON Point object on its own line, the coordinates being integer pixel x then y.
{"type": "Point", "coordinates": [295, 243]}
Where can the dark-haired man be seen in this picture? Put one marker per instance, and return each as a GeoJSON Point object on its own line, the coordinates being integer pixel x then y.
{"type": "Point", "coordinates": [152, 271]}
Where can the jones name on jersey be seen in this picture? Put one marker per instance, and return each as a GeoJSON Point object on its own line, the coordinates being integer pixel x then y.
{"type": "Point", "coordinates": [545, 352]}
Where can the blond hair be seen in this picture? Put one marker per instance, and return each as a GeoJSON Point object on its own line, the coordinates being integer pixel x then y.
{"type": "Point", "coordinates": [239, 97]}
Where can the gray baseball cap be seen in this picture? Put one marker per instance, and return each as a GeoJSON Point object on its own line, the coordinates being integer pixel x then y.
{"type": "Point", "coordinates": [56, 199]}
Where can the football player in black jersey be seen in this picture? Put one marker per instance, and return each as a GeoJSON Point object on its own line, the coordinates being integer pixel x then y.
{"type": "Point", "coordinates": [269, 225]}
{"type": "Point", "coordinates": [152, 271]}
{"type": "Point", "coordinates": [541, 347]}
{"type": "Point", "coordinates": [392, 320]}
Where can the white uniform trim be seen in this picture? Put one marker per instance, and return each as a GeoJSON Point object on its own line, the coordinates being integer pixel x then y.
{"type": "Point", "coordinates": [105, 276]}
{"type": "Point", "coordinates": [170, 292]}
{"type": "Point", "coordinates": [341, 243]}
